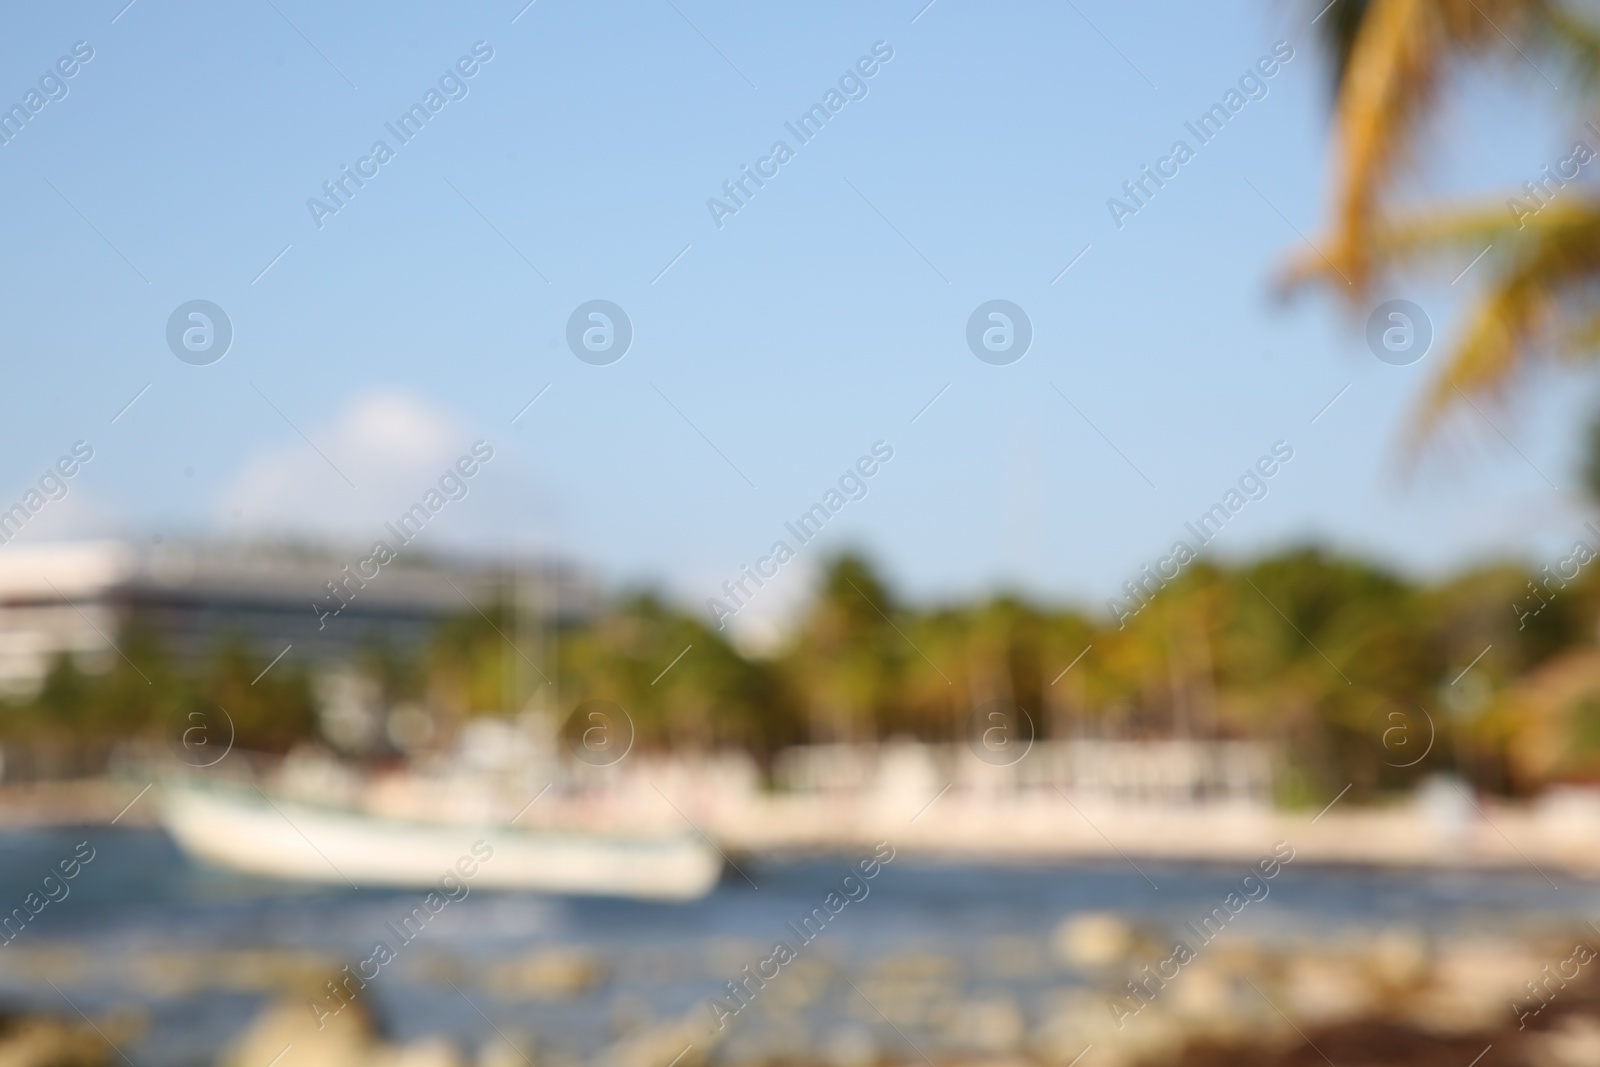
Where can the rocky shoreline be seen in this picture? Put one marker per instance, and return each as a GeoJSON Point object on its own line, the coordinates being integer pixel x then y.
{"type": "Point", "coordinates": [1381, 998]}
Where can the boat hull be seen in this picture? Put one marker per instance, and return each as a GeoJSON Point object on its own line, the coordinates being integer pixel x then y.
{"type": "Point", "coordinates": [278, 838]}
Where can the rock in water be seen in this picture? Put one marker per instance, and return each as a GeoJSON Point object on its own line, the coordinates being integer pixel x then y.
{"type": "Point", "coordinates": [348, 1039]}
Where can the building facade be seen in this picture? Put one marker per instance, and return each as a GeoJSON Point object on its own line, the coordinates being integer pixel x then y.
{"type": "Point", "coordinates": [78, 598]}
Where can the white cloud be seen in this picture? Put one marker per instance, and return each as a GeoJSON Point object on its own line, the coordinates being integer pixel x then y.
{"type": "Point", "coordinates": [767, 618]}
{"type": "Point", "coordinates": [391, 446]}
{"type": "Point", "coordinates": [77, 516]}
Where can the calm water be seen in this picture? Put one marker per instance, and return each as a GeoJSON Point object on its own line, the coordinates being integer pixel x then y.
{"type": "Point", "coordinates": [142, 929]}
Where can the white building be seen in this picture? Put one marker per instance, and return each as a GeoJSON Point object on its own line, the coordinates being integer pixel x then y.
{"type": "Point", "coordinates": [77, 598]}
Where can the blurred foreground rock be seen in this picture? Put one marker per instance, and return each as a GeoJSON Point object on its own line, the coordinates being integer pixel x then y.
{"type": "Point", "coordinates": [1385, 1000]}
{"type": "Point", "coordinates": [50, 1043]}
{"type": "Point", "coordinates": [348, 1039]}
{"type": "Point", "coordinates": [1278, 997]}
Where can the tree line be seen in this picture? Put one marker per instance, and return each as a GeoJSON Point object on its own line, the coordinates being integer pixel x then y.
{"type": "Point", "coordinates": [1334, 661]}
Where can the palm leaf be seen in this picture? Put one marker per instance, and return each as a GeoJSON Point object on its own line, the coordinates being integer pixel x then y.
{"type": "Point", "coordinates": [1390, 58]}
{"type": "Point", "coordinates": [1544, 280]}
{"type": "Point", "coordinates": [1538, 304]}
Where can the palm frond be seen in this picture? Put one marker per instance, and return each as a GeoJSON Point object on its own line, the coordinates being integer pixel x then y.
{"type": "Point", "coordinates": [1445, 233]}
{"type": "Point", "coordinates": [1391, 74]}
{"type": "Point", "coordinates": [1540, 304]}
{"type": "Point", "coordinates": [1390, 59]}
{"type": "Point", "coordinates": [1338, 24]}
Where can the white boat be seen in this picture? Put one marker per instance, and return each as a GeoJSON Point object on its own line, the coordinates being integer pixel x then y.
{"type": "Point", "coordinates": [246, 829]}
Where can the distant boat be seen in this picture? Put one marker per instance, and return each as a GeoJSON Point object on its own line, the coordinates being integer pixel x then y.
{"type": "Point", "coordinates": [242, 828]}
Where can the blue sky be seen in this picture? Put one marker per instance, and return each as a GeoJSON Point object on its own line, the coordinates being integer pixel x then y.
{"type": "Point", "coordinates": [821, 318]}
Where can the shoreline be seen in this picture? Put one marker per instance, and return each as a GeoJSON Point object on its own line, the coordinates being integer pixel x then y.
{"type": "Point", "coordinates": [1540, 840]}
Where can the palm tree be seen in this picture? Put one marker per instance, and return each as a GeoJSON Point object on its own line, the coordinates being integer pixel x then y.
{"type": "Point", "coordinates": [846, 656]}
{"type": "Point", "coordinates": [1391, 59]}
